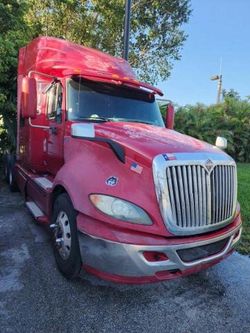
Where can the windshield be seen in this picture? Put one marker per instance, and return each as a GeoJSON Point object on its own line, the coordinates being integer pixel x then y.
{"type": "Point", "coordinates": [92, 101]}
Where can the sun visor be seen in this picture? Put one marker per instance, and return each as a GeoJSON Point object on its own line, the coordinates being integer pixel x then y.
{"type": "Point", "coordinates": [122, 81]}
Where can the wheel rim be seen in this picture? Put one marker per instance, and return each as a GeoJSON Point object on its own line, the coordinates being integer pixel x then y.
{"type": "Point", "coordinates": [63, 235]}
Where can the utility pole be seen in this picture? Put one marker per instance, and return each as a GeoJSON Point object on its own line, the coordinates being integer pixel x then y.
{"type": "Point", "coordinates": [219, 90]}
{"type": "Point", "coordinates": [219, 87]}
{"type": "Point", "coordinates": [126, 29]}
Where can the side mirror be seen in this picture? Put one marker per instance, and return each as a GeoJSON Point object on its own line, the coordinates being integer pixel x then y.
{"type": "Point", "coordinates": [29, 98]}
{"type": "Point", "coordinates": [169, 117]}
{"type": "Point", "coordinates": [221, 142]}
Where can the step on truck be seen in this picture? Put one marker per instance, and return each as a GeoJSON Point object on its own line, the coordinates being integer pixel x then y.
{"type": "Point", "coordinates": [126, 197]}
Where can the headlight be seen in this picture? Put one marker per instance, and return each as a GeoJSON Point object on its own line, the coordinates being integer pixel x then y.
{"type": "Point", "coordinates": [120, 209]}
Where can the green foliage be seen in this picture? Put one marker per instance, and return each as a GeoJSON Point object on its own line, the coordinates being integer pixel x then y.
{"type": "Point", "coordinates": [156, 37]}
{"type": "Point", "coordinates": [13, 35]}
{"type": "Point", "coordinates": [244, 199]}
{"type": "Point", "coordinates": [230, 119]}
{"type": "Point", "coordinates": [156, 34]}
{"type": "Point", "coordinates": [230, 94]}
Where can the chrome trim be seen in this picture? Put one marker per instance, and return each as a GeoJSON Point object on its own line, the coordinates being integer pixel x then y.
{"type": "Point", "coordinates": [40, 73]}
{"type": "Point", "coordinates": [160, 174]}
{"type": "Point", "coordinates": [44, 182]}
{"type": "Point", "coordinates": [236, 239]}
{"type": "Point", "coordinates": [37, 126]}
{"type": "Point", "coordinates": [128, 259]}
{"type": "Point", "coordinates": [34, 209]}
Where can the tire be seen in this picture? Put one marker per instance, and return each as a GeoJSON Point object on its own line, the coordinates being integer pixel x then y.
{"type": "Point", "coordinates": [5, 167]}
{"type": "Point", "coordinates": [10, 174]}
{"type": "Point", "coordinates": [63, 226]}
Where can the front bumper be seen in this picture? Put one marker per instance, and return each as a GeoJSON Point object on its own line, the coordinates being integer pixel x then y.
{"type": "Point", "coordinates": [126, 263]}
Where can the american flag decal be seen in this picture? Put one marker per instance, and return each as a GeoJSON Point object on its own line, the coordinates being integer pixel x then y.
{"type": "Point", "coordinates": [169, 157]}
{"type": "Point", "coordinates": [136, 168]}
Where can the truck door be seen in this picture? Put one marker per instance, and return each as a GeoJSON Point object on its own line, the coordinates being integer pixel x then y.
{"type": "Point", "coordinates": [54, 158]}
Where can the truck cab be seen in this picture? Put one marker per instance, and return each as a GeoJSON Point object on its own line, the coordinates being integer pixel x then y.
{"type": "Point", "coordinates": [125, 196]}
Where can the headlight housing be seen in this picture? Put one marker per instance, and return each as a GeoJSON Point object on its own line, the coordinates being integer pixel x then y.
{"type": "Point", "coordinates": [120, 209]}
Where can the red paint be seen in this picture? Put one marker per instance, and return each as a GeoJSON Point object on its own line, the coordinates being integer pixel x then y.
{"type": "Point", "coordinates": [61, 58]}
{"type": "Point", "coordinates": [46, 149]}
{"type": "Point", "coordinates": [170, 116]}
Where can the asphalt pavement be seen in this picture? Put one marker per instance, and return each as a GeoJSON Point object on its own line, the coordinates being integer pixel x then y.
{"type": "Point", "coordinates": [35, 297]}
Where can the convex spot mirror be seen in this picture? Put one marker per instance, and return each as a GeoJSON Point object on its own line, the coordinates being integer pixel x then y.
{"type": "Point", "coordinates": [221, 142]}
{"type": "Point", "coordinates": [169, 116]}
{"type": "Point", "coordinates": [83, 130]}
{"type": "Point", "coordinates": [28, 98]}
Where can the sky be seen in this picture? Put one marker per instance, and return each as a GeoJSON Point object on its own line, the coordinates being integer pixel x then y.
{"type": "Point", "coordinates": [217, 29]}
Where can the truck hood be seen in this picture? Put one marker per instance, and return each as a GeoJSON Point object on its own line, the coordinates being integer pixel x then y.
{"type": "Point", "coordinates": [149, 141]}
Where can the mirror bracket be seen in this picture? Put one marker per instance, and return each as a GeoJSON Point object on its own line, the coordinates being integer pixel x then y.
{"type": "Point", "coordinates": [37, 126]}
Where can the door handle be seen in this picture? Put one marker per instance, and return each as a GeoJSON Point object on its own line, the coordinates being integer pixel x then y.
{"type": "Point", "coordinates": [53, 130]}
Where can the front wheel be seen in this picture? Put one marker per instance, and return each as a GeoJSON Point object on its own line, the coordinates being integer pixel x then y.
{"type": "Point", "coordinates": [65, 238]}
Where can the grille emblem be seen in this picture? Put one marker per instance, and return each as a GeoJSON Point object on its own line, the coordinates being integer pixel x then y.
{"type": "Point", "coordinates": [209, 165]}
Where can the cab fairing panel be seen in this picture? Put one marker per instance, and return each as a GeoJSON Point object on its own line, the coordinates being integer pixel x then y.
{"type": "Point", "coordinates": [87, 167]}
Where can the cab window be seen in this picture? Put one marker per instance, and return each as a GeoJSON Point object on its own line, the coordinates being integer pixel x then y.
{"type": "Point", "coordinates": [54, 102]}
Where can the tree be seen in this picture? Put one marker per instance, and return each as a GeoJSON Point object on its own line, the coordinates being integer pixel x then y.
{"type": "Point", "coordinates": [156, 34]}
{"type": "Point", "coordinates": [156, 37]}
{"type": "Point", "coordinates": [12, 37]}
{"type": "Point", "coordinates": [230, 119]}
{"type": "Point", "coordinates": [233, 94]}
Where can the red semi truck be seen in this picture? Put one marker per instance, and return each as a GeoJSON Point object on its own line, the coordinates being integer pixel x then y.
{"type": "Point", "coordinates": [125, 196]}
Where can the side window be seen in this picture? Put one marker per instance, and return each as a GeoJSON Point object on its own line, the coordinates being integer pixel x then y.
{"type": "Point", "coordinates": [41, 98]}
{"type": "Point", "coordinates": [54, 102]}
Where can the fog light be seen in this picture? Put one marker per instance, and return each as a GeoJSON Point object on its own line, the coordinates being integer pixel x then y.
{"type": "Point", "coordinates": [154, 256]}
{"type": "Point", "coordinates": [237, 234]}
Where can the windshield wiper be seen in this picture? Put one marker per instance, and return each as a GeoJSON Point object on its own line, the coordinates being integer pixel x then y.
{"type": "Point", "coordinates": [140, 121]}
{"type": "Point", "coordinates": [95, 119]}
{"type": "Point", "coordinates": [134, 121]}
{"type": "Point", "coordinates": [104, 119]}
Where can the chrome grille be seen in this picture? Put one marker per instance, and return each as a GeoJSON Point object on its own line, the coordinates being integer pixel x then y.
{"type": "Point", "coordinates": [222, 192]}
{"type": "Point", "coordinates": [198, 197]}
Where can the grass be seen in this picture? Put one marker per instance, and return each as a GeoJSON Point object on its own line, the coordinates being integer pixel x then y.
{"type": "Point", "coordinates": [244, 200]}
